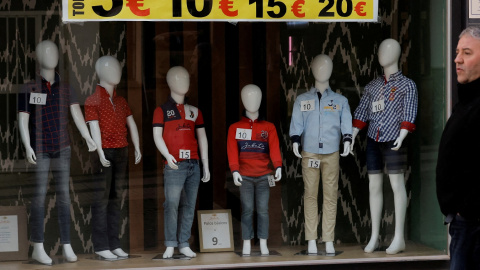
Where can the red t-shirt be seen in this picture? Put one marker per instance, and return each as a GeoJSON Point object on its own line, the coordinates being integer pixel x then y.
{"type": "Point", "coordinates": [253, 147]}
{"type": "Point", "coordinates": [111, 114]}
{"type": "Point", "coordinates": [179, 122]}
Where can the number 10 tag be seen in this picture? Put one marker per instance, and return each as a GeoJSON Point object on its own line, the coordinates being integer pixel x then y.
{"type": "Point", "coordinates": [243, 134]}
{"type": "Point", "coordinates": [38, 98]}
{"type": "Point", "coordinates": [307, 105]}
{"type": "Point", "coordinates": [314, 163]}
{"type": "Point", "coordinates": [378, 106]}
{"type": "Point", "coordinates": [184, 154]}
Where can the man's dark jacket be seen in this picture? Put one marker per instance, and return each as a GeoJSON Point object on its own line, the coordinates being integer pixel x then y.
{"type": "Point", "coordinates": [458, 166]}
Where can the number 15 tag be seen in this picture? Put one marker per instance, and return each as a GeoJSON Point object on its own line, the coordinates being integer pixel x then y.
{"type": "Point", "coordinates": [38, 98]}
{"type": "Point", "coordinates": [184, 154]}
{"type": "Point", "coordinates": [243, 134]}
{"type": "Point", "coordinates": [314, 163]}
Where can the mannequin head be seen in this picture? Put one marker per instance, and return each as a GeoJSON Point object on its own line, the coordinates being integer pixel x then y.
{"type": "Point", "coordinates": [108, 70]}
{"type": "Point", "coordinates": [178, 80]}
{"type": "Point", "coordinates": [322, 67]}
{"type": "Point", "coordinates": [251, 98]}
{"type": "Point", "coordinates": [47, 54]}
{"type": "Point", "coordinates": [389, 53]}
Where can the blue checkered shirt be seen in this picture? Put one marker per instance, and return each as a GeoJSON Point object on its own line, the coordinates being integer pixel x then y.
{"type": "Point", "coordinates": [400, 99]}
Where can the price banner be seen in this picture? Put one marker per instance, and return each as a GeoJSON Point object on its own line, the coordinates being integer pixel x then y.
{"type": "Point", "coordinates": [220, 10]}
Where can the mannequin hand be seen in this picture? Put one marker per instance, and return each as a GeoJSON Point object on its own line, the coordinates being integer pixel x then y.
{"type": "Point", "coordinates": [206, 175]}
{"type": "Point", "coordinates": [346, 149]}
{"type": "Point", "coordinates": [103, 160]}
{"type": "Point", "coordinates": [354, 135]}
{"type": "Point", "coordinates": [278, 174]}
{"type": "Point", "coordinates": [295, 150]}
{"type": "Point", "coordinates": [237, 178]}
{"type": "Point", "coordinates": [172, 162]}
{"type": "Point", "coordinates": [91, 144]}
{"type": "Point", "coordinates": [138, 156]}
{"type": "Point", "coordinates": [31, 158]}
{"type": "Point", "coordinates": [398, 142]}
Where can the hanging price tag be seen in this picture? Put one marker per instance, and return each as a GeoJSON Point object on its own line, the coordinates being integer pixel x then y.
{"type": "Point", "coordinates": [38, 98]}
{"type": "Point", "coordinates": [271, 180]}
{"type": "Point", "coordinates": [184, 154]}
{"type": "Point", "coordinates": [314, 163]}
{"type": "Point", "coordinates": [243, 134]}
{"type": "Point", "coordinates": [307, 105]}
{"type": "Point", "coordinates": [378, 106]}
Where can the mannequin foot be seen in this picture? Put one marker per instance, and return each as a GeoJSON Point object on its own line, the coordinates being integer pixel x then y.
{"type": "Point", "coordinates": [188, 252]}
{"type": "Point", "coordinates": [168, 253]}
{"type": "Point", "coordinates": [119, 252]}
{"type": "Point", "coordinates": [396, 246]}
{"type": "Point", "coordinates": [106, 254]}
{"type": "Point", "coordinates": [312, 247]}
{"type": "Point", "coordinates": [246, 247]}
{"type": "Point", "coordinates": [372, 245]}
{"type": "Point", "coordinates": [263, 247]}
{"type": "Point", "coordinates": [68, 253]}
{"type": "Point", "coordinates": [329, 248]}
{"type": "Point", "coordinates": [40, 255]}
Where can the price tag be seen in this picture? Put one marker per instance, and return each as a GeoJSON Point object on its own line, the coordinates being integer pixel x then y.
{"type": "Point", "coordinates": [243, 134]}
{"type": "Point", "coordinates": [378, 106]}
{"type": "Point", "coordinates": [215, 230]}
{"type": "Point", "coordinates": [307, 105]}
{"type": "Point", "coordinates": [38, 98]}
{"type": "Point", "coordinates": [184, 154]}
{"type": "Point", "coordinates": [271, 180]}
{"type": "Point", "coordinates": [314, 163]}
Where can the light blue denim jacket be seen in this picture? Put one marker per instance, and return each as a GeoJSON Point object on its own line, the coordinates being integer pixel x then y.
{"type": "Point", "coordinates": [321, 127]}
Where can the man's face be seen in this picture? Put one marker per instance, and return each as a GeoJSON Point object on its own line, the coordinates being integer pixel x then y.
{"type": "Point", "coordinates": [468, 59]}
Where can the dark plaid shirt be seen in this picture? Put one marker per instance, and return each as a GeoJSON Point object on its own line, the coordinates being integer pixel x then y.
{"type": "Point", "coordinates": [48, 123]}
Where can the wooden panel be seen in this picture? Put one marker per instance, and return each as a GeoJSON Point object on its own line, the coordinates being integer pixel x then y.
{"type": "Point", "coordinates": [190, 59]}
{"type": "Point", "coordinates": [245, 59]}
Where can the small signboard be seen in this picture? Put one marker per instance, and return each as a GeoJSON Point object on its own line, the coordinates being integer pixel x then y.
{"type": "Point", "coordinates": [13, 233]}
{"type": "Point", "coordinates": [215, 228]}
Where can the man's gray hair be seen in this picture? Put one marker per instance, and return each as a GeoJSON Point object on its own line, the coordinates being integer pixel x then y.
{"type": "Point", "coordinates": [473, 31]}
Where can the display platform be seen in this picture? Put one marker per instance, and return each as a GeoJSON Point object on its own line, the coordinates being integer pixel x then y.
{"type": "Point", "coordinates": [352, 254]}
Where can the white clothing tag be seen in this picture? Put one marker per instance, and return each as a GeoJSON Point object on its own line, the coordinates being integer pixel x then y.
{"type": "Point", "coordinates": [184, 154]}
{"type": "Point", "coordinates": [38, 98]}
{"type": "Point", "coordinates": [271, 180]}
{"type": "Point", "coordinates": [314, 163]}
{"type": "Point", "coordinates": [378, 106]}
{"type": "Point", "coordinates": [243, 134]}
{"type": "Point", "coordinates": [307, 105]}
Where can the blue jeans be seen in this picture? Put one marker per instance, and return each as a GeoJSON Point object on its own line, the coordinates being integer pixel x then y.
{"type": "Point", "coordinates": [59, 163]}
{"type": "Point", "coordinates": [465, 244]}
{"type": "Point", "coordinates": [255, 191]}
{"type": "Point", "coordinates": [181, 188]}
{"type": "Point", "coordinates": [108, 189]}
{"type": "Point", "coordinates": [380, 152]}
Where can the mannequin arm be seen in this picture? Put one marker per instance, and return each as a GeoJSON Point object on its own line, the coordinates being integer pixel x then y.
{"type": "Point", "coordinates": [346, 149]}
{"type": "Point", "coordinates": [203, 145]}
{"type": "Point", "coordinates": [295, 150]}
{"type": "Point", "coordinates": [398, 142]}
{"type": "Point", "coordinates": [135, 139]}
{"type": "Point", "coordinates": [82, 127]}
{"type": "Point", "coordinates": [97, 138]}
{"type": "Point", "coordinates": [162, 147]}
{"type": "Point", "coordinates": [354, 135]}
{"type": "Point", "coordinates": [237, 179]}
{"type": "Point", "coordinates": [25, 136]}
{"type": "Point", "coordinates": [278, 174]}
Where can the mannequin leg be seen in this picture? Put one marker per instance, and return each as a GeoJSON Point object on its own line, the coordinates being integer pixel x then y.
{"type": "Point", "coordinates": [168, 252]}
{"type": "Point", "coordinates": [400, 197]}
{"type": "Point", "coordinates": [188, 252]}
{"type": "Point", "coordinates": [330, 173]}
{"type": "Point", "coordinates": [119, 252]}
{"type": "Point", "coordinates": [68, 253]}
{"type": "Point", "coordinates": [263, 247]}
{"type": "Point", "coordinates": [106, 254]}
{"type": "Point", "coordinates": [311, 180]}
{"type": "Point", "coordinates": [312, 247]}
{"type": "Point", "coordinates": [329, 248]}
{"type": "Point", "coordinates": [40, 255]}
{"type": "Point", "coordinates": [246, 247]}
{"type": "Point", "coordinates": [262, 195]}
{"type": "Point", "coordinates": [376, 203]}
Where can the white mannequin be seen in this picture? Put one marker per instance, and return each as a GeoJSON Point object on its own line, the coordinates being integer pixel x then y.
{"type": "Point", "coordinates": [109, 72]}
{"type": "Point", "coordinates": [251, 99]}
{"type": "Point", "coordinates": [178, 81]}
{"type": "Point", "coordinates": [388, 55]}
{"type": "Point", "coordinates": [47, 57]}
{"type": "Point", "coordinates": [322, 67]}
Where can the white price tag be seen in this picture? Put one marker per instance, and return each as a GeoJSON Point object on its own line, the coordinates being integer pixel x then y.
{"type": "Point", "coordinates": [314, 163]}
{"type": "Point", "coordinates": [243, 134]}
{"type": "Point", "coordinates": [307, 105]}
{"type": "Point", "coordinates": [271, 180]}
{"type": "Point", "coordinates": [184, 154]}
{"type": "Point", "coordinates": [38, 98]}
{"type": "Point", "coordinates": [378, 106]}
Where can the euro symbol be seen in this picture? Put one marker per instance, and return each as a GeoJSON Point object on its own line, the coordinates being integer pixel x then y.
{"type": "Point", "coordinates": [134, 7]}
{"type": "Point", "coordinates": [225, 6]}
{"type": "Point", "coordinates": [297, 8]}
{"type": "Point", "coordinates": [359, 9]}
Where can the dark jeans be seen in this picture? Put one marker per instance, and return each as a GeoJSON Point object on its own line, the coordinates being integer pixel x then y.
{"type": "Point", "coordinates": [59, 163]}
{"type": "Point", "coordinates": [255, 191]}
{"type": "Point", "coordinates": [379, 153]}
{"type": "Point", "coordinates": [108, 189]}
{"type": "Point", "coordinates": [465, 244]}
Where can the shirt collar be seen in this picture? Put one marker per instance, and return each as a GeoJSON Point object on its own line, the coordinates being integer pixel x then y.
{"type": "Point", "coordinates": [248, 120]}
{"type": "Point", "coordinates": [57, 78]}
{"type": "Point", "coordinates": [260, 116]}
{"type": "Point", "coordinates": [172, 101]}
{"type": "Point", "coordinates": [393, 77]}
{"type": "Point", "coordinates": [103, 92]}
{"type": "Point", "coordinates": [327, 91]}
